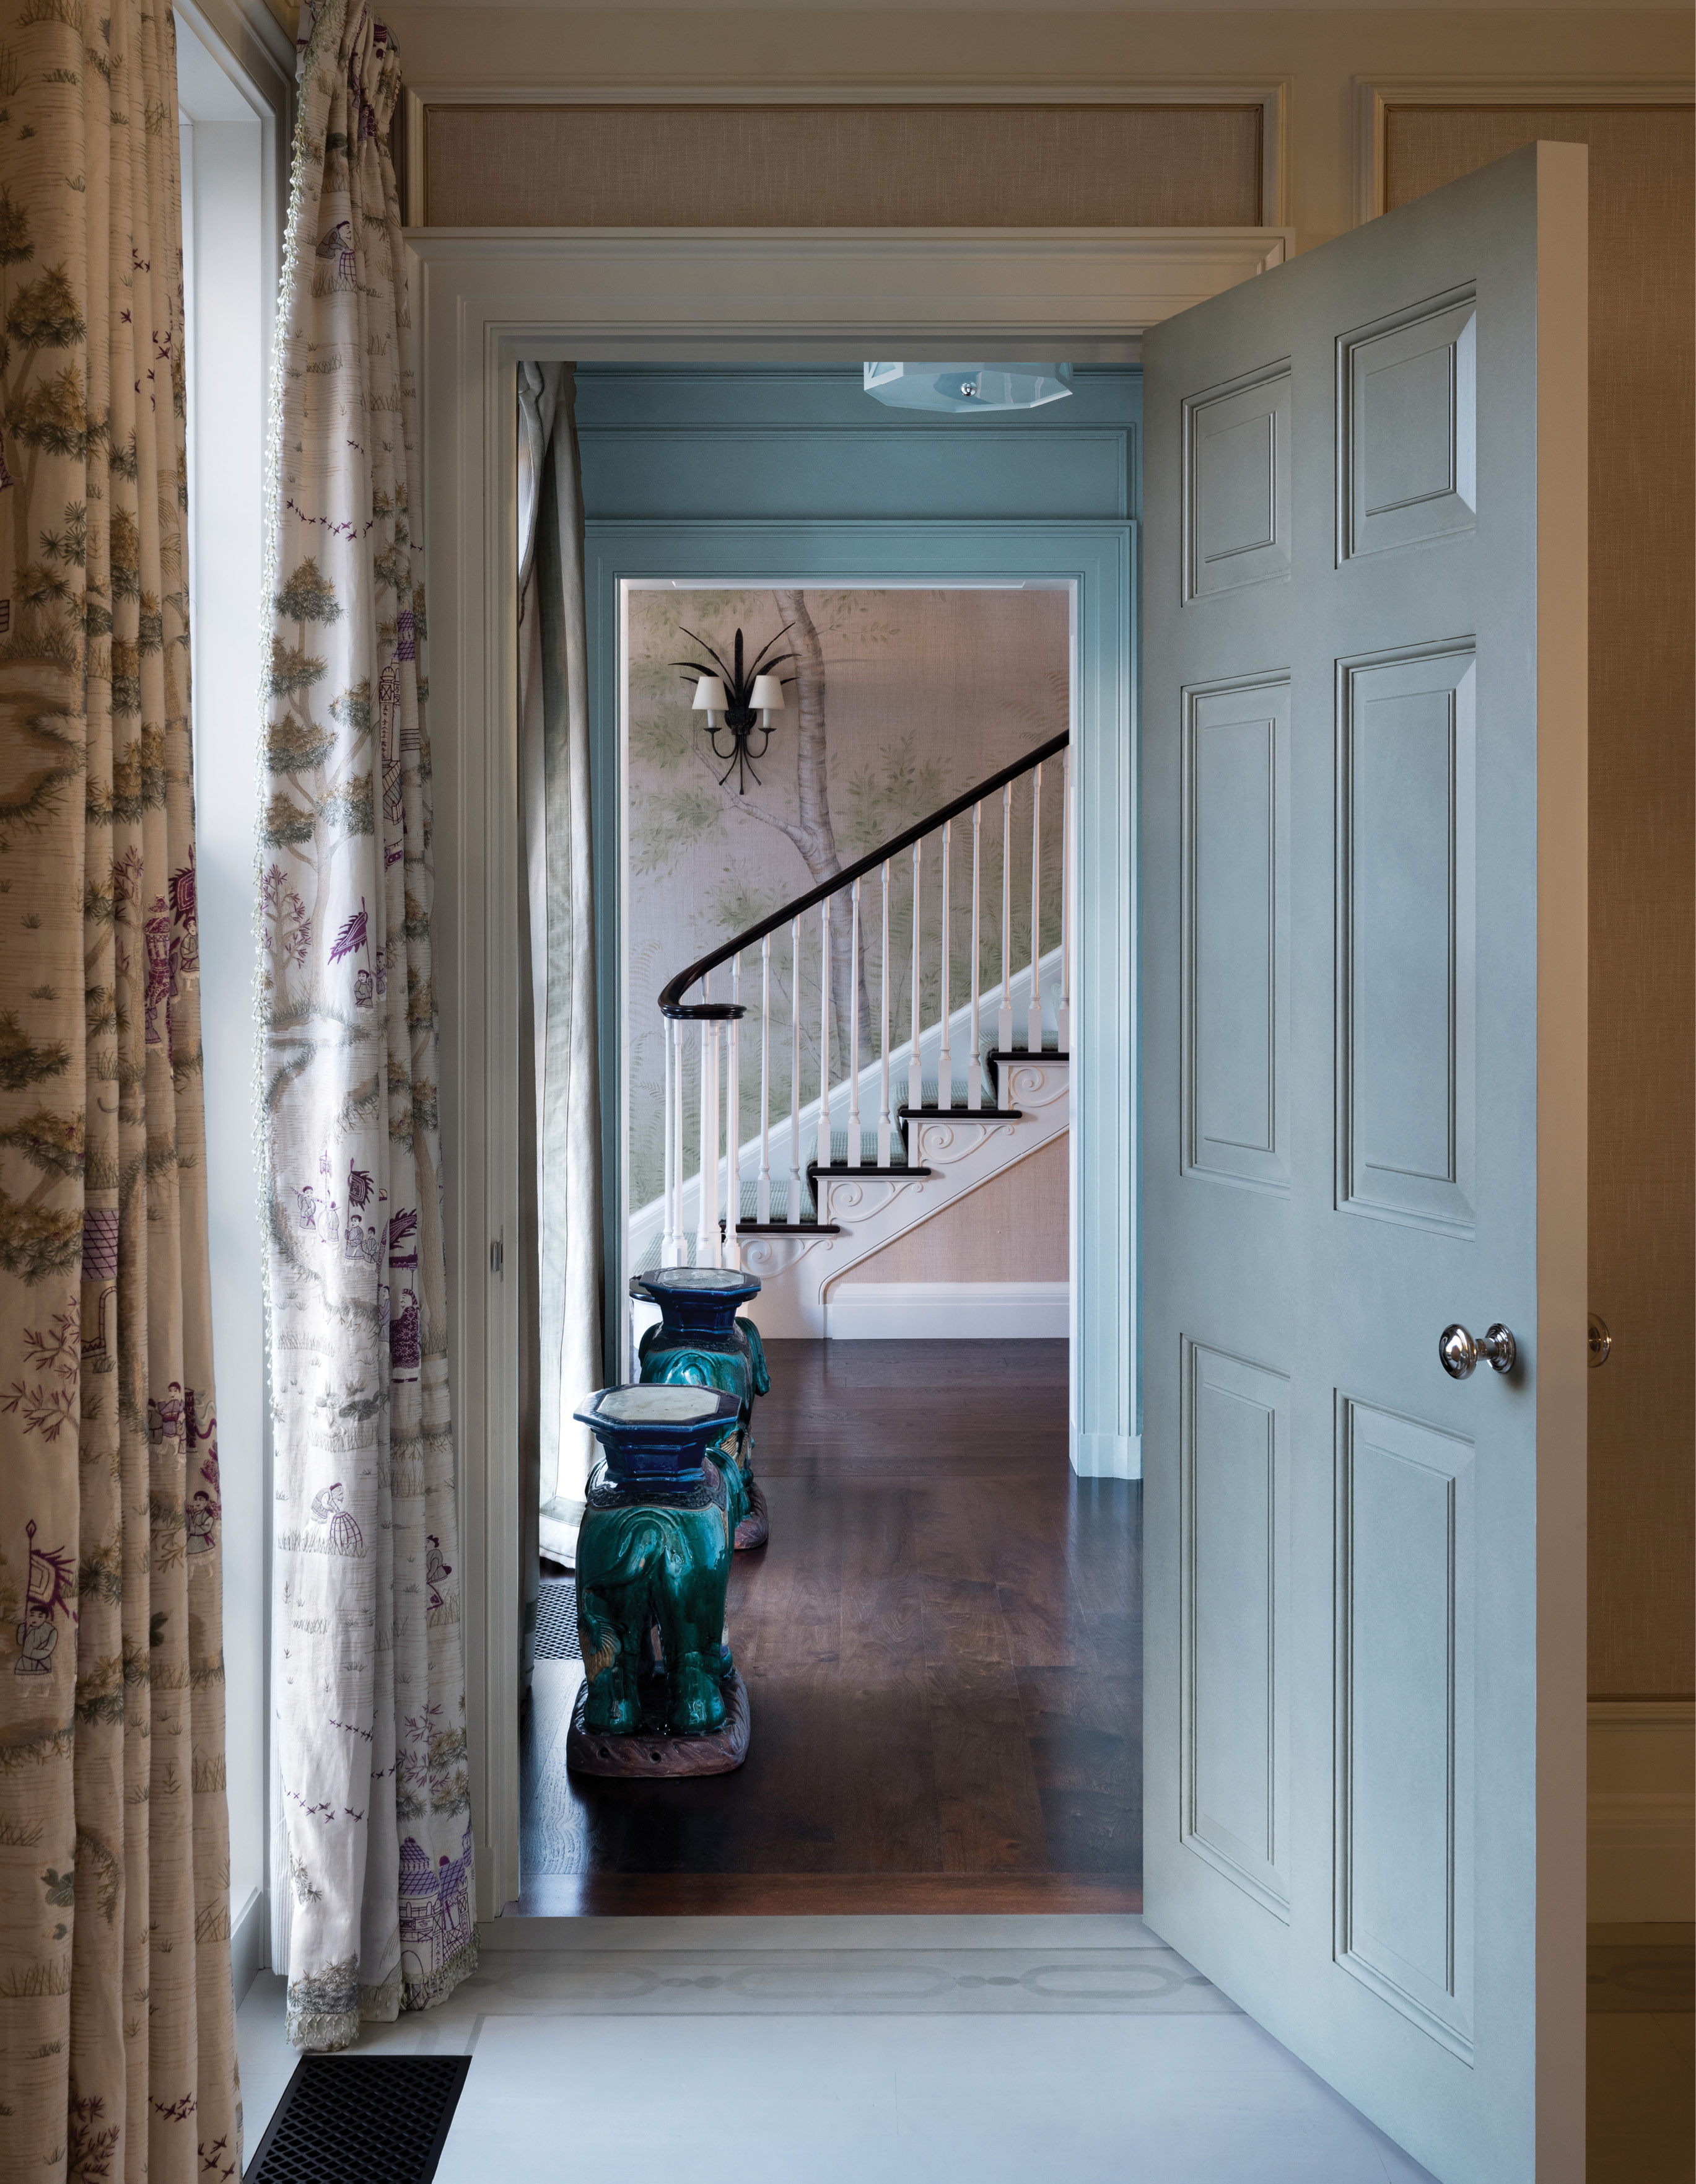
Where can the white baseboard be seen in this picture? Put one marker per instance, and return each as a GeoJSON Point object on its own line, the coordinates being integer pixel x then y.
{"type": "Point", "coordinates": [250, 1934]}
{"type": "Point", "coordinates": [1642, 1811]}
{"type": "Point", "coordinates": [947, 1311]}
{"type": "Point", "coordinates": [1106, 1456]}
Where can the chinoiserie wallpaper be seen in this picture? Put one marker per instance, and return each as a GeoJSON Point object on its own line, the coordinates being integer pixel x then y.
{"type": "Point", "coordinates": [925, 693]}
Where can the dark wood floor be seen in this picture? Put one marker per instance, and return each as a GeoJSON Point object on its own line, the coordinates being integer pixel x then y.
{"type": "Point", "coordinates": [942, 1651]}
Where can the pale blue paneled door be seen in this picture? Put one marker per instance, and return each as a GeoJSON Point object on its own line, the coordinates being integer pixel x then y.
{"type": "Point", "coordinates": [1364, 1061]}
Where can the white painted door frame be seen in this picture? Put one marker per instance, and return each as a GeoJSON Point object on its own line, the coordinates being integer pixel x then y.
{"type": "Point", "coordinates": [483, 301]}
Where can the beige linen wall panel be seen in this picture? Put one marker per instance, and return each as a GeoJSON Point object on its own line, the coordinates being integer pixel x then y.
{"type": "Point", "coordinates": [842, 166]}
{"type": "Point", "coordinates": [1643, 851]}
{"type": "Point", "coordinates": [1012, 1229]}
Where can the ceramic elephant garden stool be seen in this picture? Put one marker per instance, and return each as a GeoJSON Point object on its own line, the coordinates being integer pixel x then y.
{"type": "Point", "coordinates": [660, 1694]}
{"type": "Point", "coordinates": [701, 1342]}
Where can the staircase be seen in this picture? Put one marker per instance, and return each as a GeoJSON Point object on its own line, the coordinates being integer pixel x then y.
{"type": "Point", "coordinates": [890, 1142]}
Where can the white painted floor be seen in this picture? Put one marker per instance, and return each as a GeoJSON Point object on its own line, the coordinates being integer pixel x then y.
{"type": "Point", "coordinates": [822, 2051]}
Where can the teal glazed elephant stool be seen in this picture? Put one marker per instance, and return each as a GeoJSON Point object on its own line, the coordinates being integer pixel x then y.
{"type": "Point", "coordinates": [701, 1342]}
{"type": "Point", "coordinates": [660, 1693]}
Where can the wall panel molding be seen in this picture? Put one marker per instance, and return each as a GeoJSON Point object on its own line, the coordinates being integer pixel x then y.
{"type": "Point", "coordinates": [1642, 1811]}
{"type": "Point", "coordinates": [1269, 95]}
{"type": "Point", "coordinates": [1640, 135]}
{"type": "Point", "coordinates": [1374, 97]}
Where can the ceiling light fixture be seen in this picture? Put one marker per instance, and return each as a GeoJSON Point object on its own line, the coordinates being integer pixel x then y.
{"type": "Point", "coordinates": [960, 389]}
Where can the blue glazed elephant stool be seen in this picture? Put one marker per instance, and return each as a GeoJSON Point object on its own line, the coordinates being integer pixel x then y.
{"type": "Point", "coordinates": [660, 1694]}
{"type": "Point", "coordinates": [701, 1342]}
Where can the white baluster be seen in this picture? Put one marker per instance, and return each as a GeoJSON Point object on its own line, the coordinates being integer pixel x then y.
{"type": "Point", "coordinates": [823, 1155]}
{"type": "Point", "coordinates": [732, 1252]}
{"type": "Point", "coordinates": [915, 1073]}
{"type": "Point", "coordinates": [667, 1233]}
{"type": "Point", "coordinates": [682, 1248]}
{"type": "Point", "coordinates": [1064, 1013]}
{"type": "Point", "coordinates": [974, 1075]}
{"type": "Point", "coordinates": [762, 1205]}
{"type": "Point", "coordinates": [793, 1213]}
{"type": "Point", "coordinates": [707, 1184]}
{"type": "Point", "coordinates": [884, 1128]}
{"type": "Point", "coordinates": [854, 1147]}
{"type": "Point", "coordinates": [945, 1059]}
{"type": "Point", "coordinates": [1003, 1023]}
{"type": "Point", "coordinates": [1033, 1026]}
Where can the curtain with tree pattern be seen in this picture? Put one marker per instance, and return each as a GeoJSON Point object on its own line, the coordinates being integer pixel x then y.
{"type": "Point", "coordinates": [372, 1872]}
{"type": "Point", "coordinates": [117, 2033]}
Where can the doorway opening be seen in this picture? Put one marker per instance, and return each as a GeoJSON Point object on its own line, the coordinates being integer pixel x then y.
{"type": "Point", "coordinates": [940, 1638]}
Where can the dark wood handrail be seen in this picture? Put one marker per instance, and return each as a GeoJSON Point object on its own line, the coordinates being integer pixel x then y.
{"type": "Point", "coordinates": [671, 1001]}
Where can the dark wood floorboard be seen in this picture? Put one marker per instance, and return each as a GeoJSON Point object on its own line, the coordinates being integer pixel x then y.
{"type": "Point", "coordinates": [942, 1649]}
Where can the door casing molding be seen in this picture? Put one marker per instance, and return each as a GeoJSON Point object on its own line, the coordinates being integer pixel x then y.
{"type": "Point", "coordinates": [482, 302]}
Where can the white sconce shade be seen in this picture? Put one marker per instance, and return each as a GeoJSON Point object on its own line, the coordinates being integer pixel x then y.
{"type": "Point", "coordinates": [767, 695]}
{"type": "Point", "coordinates": [710, 696]}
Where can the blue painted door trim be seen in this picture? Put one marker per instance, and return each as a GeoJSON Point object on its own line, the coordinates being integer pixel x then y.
{"type": "Point", "coordinates": [1097, 559]}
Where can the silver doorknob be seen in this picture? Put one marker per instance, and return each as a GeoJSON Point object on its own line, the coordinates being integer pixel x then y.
{"type": "Point", "coordinates": [1460, 1351]}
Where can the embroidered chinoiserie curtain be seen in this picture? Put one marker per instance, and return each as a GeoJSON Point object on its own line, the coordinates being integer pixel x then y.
{"type": "Point", "coordinates": [561, 1261]}
{"type": "Point", "coordinates": [117, 2033]}
{"type": "Point", "coordinates": [373, 1880]}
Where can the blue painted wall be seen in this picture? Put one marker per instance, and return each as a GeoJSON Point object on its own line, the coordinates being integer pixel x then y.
{"type": "Point", "coordinates": [718, 440]}
{"type": "Point", "coordinates": [718, 443]}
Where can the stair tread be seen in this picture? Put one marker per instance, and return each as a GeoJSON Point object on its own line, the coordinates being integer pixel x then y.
{"type": "Point", "coordinates": [1027, 1054]}
{"type": "Point", "coordinates": [866, 1167]}
{"type": "Point", "coordinates": [971, 1114]}
{"type": "Point", "coordinates": [787, 1229]}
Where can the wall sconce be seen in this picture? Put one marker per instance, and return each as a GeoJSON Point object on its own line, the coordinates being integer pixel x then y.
{"type": "Point", "coordinates": [738, 702]}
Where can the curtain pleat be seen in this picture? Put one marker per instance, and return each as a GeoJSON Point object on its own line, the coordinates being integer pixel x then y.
{"type": "Point", "coordinates": [373, 1858]}
{"type": "Point", "coordinates": [117, 2032]}
{"type": "Point", "coordinates": [555, 819]}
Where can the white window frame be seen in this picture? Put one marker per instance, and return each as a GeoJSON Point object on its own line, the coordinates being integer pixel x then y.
{"type": "Point", "coordinates": [235, 90]}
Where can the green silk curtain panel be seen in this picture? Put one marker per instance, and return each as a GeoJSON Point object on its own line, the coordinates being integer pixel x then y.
{"type": "Point", "coordinates": [117, 2033]}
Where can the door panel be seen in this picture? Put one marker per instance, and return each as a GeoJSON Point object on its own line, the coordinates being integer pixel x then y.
{"type": "Point", "coordinates": [1237, 930]}
{"type": "Point", "coordinates": [1406, 796]}
{"type": "Point", "coordinates": [1236, 1570]}
{"type": "Point", "coordinates": [1364, 1061]}
{"type": "Point", "coordinates": [1406, 1569]}
{"type": "Point", "coordinates": [1237, 492]}
{"type": "Point", "coordinates": [1407, 440]}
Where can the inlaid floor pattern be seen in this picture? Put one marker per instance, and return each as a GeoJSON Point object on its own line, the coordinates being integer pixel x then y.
{"type": "Point", "coordinates": [942, 1649]}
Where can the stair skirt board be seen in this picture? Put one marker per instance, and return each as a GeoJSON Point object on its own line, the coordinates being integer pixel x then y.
{"type": "Point", "coordinates": [947, 1311]}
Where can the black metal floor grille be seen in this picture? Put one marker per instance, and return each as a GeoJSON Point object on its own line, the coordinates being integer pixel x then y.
{"type": "Point", "coordinates": [361, 2120]}
{"type": "Point", "coordinates": [556, 1620]}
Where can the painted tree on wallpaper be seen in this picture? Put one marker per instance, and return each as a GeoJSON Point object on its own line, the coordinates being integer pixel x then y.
{"type": "Point", "coordinates": [811, 830]}
{"type": "Point", "coordinates": [901, 699]}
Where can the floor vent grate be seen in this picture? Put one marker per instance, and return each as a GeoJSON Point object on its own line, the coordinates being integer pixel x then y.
{"type": "Point", "coordinates": [382, 2118]}
{"type": "Point", "coordinates": [556, 1620]}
